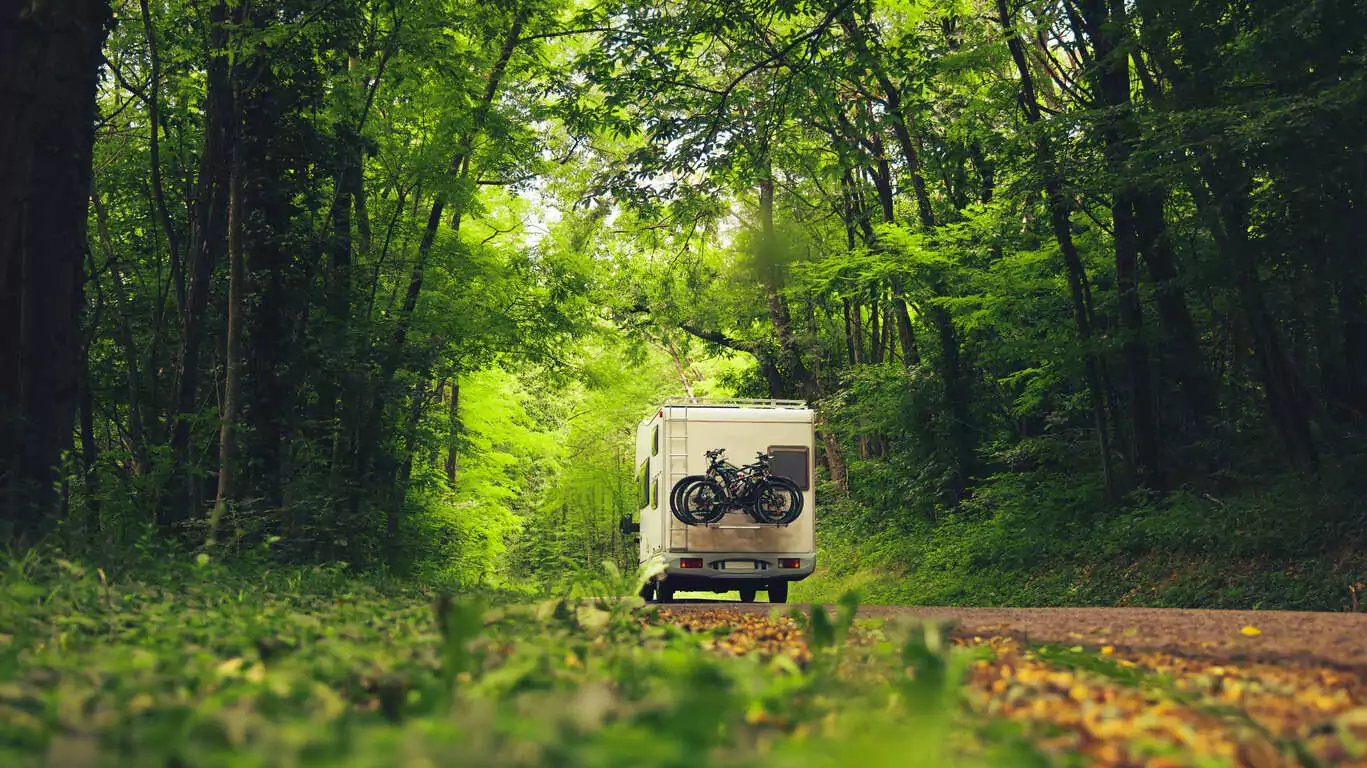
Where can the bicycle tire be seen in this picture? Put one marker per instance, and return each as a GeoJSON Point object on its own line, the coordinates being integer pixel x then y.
{"type": "Point", "coordinates": [676, 493]}
{"type": "Point", "coordinates": [784, 485]}
{"type": "Point", "coordinates": [703, 516]}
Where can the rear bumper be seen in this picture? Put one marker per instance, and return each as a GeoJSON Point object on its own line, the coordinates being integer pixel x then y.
{"type": "Point", "coordinates": [720, 569]}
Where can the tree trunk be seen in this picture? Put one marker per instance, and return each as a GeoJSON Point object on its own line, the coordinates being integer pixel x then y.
{"type": "Point", "coordinates": [453, 438]}
{"type": "Point", "coordinates": [1184, 350]}
{"type": "Point", "coordinates": [154, 154]}
{"type": "Point", "coordinates": [1104, 21]}
{"type": "Point", "coordinates": [232, 389]}
{"type": "Point", "coordinates": [49, 61]}
{"type": "Point", "coordinates": [207, 241]}
{"type": "Point", "coordinates": [1059, 217]}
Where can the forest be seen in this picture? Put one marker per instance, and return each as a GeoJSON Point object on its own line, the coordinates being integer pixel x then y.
{"type": "Point", "coordinates": [386, 285]}
{"type": "Point", "coordinates": [326, 327]}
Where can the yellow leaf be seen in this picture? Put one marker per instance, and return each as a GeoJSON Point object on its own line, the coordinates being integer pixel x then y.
{"type": "Point", "coordinates": [1251, 631]}
{"type": "Point", "coordinates": [1107, 650]}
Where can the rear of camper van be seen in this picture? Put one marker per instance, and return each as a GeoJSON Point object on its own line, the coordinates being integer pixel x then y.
{"type": "Point", "coordinates": [736, 552]}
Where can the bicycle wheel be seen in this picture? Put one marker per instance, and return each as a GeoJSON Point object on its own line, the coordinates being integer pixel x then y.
{"type": "Point", "coordinates": [676, 493]}
{"type": "Point", "coordinates": [701, 503]}
{"type": "Point", "coordinates": [778, 500]}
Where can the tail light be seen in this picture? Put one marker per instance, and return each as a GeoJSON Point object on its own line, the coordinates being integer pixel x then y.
{"type": "Point", "coordinates": [691, 562]}
{"type": "Point", "coordinates": [789, 562]}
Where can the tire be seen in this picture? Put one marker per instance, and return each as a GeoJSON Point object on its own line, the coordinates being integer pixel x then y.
{"type": "Point", "coordinates": [648, 592]}
{"type": "Point", "coordinates": [710, 498]}
{"type": "Point", "coordinates": [747, 594]}
{"type": "Point", "coordinates": [664, 593]}
{"type": "Point", "coordinates": [676, 493]}
{"type": "Point", "coordinates": [778, 501]}
{"type": "Point", "coordinates": [778, 591]}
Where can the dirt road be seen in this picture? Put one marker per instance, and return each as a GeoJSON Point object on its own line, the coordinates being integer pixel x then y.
{"type": "Point", "coordinates": [1338, 639]}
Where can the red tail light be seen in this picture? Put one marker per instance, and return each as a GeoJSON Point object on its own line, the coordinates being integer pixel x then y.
{"type": "Point", "coordinates": [789, 562]}
{"type": "Point", "coordinates": [691, 562]}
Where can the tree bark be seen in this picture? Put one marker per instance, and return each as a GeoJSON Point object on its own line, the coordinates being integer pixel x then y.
{"type": "Point", "coordinates": [232, 388]}
{"type": "Point", "coordinates": [49, 61]}
{"type": "Point", "coordinates": [1104, 21]}
{"type": "Point", "coordinates": [207, 242]}
{"type": "Point", "coordinates": [453, 438]}
{"type": "Point", "coordinates": [154, 155]}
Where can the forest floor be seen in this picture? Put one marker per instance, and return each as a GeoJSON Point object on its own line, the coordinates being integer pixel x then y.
{"type": "Point", "coordinates": [206, 667]}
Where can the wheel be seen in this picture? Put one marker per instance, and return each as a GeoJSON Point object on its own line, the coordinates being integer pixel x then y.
{"type": "Point", "coordinates": [664, 594]}
{"type": "Point", "coordinates": [676, 493]}
{"type": "Point", "coordinates": [778, 591]}
{"type": "Point", "coordinates": [648, 591]}
{"type": "Point", "coordinates": [778, 500]}
{"type": "Point", "coordinates": [702, 502]}
{"type": "Point", "coordinates": [747, 594]}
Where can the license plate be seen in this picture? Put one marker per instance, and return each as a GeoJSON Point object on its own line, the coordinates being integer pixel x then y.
{"type": "Point", "coordinates": [738, 565]}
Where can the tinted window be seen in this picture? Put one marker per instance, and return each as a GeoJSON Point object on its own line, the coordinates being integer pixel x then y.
{"type": "Point", "coordinates": [792, 462]}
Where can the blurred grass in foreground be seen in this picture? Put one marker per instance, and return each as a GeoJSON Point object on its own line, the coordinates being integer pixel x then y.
{"type": "Point", "coordinates": [205, 667]}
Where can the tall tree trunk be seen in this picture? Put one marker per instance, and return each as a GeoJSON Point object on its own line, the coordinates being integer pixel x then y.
{"type": "Point", "coordinates": [375, 465]}
{"type": "Point", "coordinates": [207, 242]}
{"type": "Point", "coordinates": [233, 355]}
{"type": "Point", "coordinates": [1282, 386]}
{"type": "Point", "coordinates": [154, 155]}
{"type": "Point", "coordinates": [1183, 350]}
{"type": "Point", "coordinates": [49, 61]}
{"type": "Point", "coordinates": [1059, 217]}
{"type": "Point", "coordinates": [958, 389]}
{"type": "Point", "coordinates": [1104, 21]}
{"type": "Point", "coordinates": [453, 438]}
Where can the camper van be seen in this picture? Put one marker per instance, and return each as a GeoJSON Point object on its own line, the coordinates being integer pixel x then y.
{"type": "Point", "coordinates": [725, 539]}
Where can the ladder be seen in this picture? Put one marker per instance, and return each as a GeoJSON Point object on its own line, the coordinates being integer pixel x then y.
{"type": "Point", "coordinates": [676, 463]}
{"type": "Point", "coordinates": [676, 446]}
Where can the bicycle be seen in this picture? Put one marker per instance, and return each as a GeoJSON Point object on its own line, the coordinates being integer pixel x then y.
{"type": "Point", "coordinates": [705, 499]}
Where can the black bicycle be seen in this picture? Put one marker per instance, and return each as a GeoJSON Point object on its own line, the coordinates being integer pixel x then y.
{"type": "Point", "coordinates": [705, 499]}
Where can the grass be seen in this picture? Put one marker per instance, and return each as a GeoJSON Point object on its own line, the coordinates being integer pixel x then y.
{"type": "Point", "coordinates": [207, 666]}
{"type": "Point", "coordinates": [1287, 544]}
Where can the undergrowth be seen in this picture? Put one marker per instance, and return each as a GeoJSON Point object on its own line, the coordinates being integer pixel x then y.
{"type": "Point", "coordinates": [1048, 539]}
{"type": "Point", "coordinates": [206, 665]}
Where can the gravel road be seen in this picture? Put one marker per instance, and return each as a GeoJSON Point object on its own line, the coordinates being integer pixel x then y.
{"type": "Point", "coordinates": [1339, 639]}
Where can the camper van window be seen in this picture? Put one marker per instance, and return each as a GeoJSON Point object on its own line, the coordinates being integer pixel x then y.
{"type": "Point", "coordinates": [643, 484]}
{"type": "Point", "coordinates": [792, 462]}
{"type": "Point", "coordinates": [655, 442]}
{"type": "Point", "coordinates": [655, 494]}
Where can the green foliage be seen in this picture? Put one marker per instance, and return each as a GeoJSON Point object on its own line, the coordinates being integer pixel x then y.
{"type": "Point", "coordinates": [1040, 538]}
{"type": "Point", "coordinates": [210, 666]}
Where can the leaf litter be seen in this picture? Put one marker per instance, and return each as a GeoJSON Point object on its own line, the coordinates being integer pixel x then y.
{"type": "Point", "coordinates": [1114, 707]}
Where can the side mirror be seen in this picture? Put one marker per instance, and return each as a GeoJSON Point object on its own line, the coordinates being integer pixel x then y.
{"type": "Point", "coordinates": [629, 527]}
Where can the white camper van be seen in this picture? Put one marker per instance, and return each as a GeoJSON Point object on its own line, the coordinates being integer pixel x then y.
{"type": "Point", "coordinates": [740, 550]}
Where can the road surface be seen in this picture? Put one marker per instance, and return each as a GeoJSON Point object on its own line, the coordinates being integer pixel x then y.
{"type": "Point", "coordinates": [1337, 639]}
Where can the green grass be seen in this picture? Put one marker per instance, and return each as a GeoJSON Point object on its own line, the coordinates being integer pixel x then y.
{"type": "Point", "coordinates": [204, 666]}
{"type": "Point", "coordinates": [1286, 544]}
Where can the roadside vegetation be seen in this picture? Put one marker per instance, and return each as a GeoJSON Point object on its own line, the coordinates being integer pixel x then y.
{"type": "Point", "coordinates": [204, 665]}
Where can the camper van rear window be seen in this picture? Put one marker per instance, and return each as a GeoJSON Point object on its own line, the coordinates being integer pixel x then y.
{"type": "Point", "coordinates": [792, 462]}
{"type": "Point", "coordinates": [655, 494]}
{"type": "Point", "coordinates": [655, 442]}
{"type": "Point", "coordinates": [643, 485]}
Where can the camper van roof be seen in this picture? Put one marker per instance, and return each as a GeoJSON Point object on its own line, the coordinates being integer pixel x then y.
{"type": "Point", "coordinates": [733, 402]}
